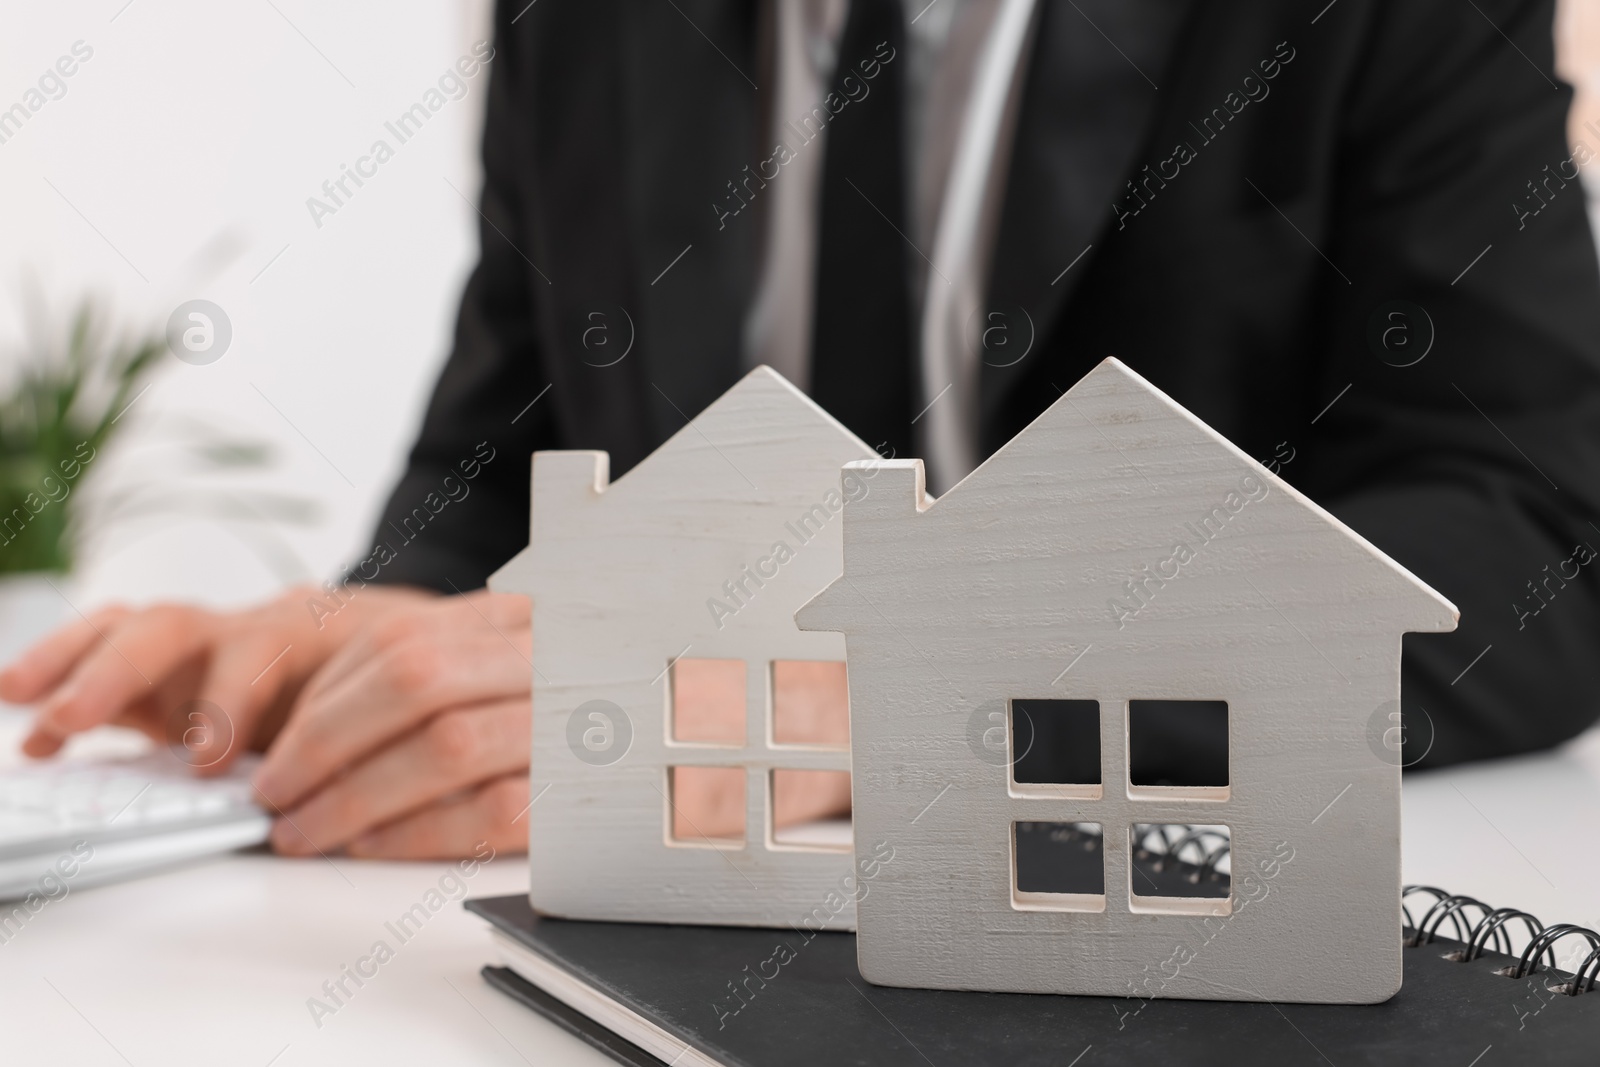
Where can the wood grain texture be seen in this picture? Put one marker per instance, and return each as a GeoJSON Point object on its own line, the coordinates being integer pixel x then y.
{"type": "Point", "coordinates": [623, 579]}
{"type": "Point", "coordinates": [1008, 587]}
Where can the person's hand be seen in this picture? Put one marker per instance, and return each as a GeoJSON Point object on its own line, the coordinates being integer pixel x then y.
{"type": "Point", "coordinates": [413, 741]}
{"type": "Point", "coordinates": [812, 707]}
{"type": "Point", "coordinates": [214, 683]}
{"type": "Point", "coordinates": [404, 717]}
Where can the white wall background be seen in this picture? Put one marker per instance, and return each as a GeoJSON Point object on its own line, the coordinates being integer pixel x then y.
{"type": "Point", "coordinates": [177, 166]}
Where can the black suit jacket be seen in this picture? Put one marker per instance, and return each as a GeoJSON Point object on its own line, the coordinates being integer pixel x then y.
{"type": "Point", "coordinates": [1266, 249]}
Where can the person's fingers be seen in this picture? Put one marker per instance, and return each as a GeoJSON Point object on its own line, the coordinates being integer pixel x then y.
{"type": "Point", "coordinates": [503, 610]}
{"type": "Point", "coordinates": [811, 702]}
{"type": "Point", "coordinates": [159, 712]}
{"type": "Point", "coordinates": [46, 663]}
{"type": "Point", "coordinates": [123, 665]}
{"type": "Point", "coordinates": [245, 680]}
{"type": "Point", "coordinates": [148, 716]}
{"type": "Point", "coordinates": [803, 796]}
{"type": "Point", "coordinates": [493, 815]}
{"type": "Point", "coordinates": [419, 672]}
{"type": "Point", "coordinates": [41, 745]}
{"type": "Point", "coordinates": [503, 614]}
{"type": "Point", "coordinates": [708, 698]}
{"type": "Point", "coordinates": [707, 802]}
{"type": "Point", "coordinates": [451, 752]}
{"type": "Point", "coordinates": [141, 709]}
{"type": "Point", "coordinates": [142, 714]}
{"type": "Point", "coordinates": [94, 671]}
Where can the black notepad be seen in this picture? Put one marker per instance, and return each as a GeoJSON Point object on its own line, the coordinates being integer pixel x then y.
{"type": "Point", "coordinates": [675, 981]}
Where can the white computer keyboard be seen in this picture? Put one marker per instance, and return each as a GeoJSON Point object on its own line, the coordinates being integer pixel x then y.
{"type": "Point", "coordinates": [107, 819]}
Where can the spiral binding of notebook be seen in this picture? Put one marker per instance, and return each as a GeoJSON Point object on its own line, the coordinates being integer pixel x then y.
{"type": "Point", "coordinates": [1202, 852]}
{"type": "Point", "coordinates": [1492, 925]}
{"type": "Point", "coordinates": [1193, 860]}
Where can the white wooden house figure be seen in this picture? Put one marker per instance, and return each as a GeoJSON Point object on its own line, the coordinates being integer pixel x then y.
{"type": "Point", "coordinates": [1119, 550]}
{"type": "Point", "coordinates": [675, 563]}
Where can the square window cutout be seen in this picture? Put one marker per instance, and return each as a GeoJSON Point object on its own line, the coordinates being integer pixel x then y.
{"type": "Point", "coordinates": [706, 698]}
{"type": "Point", "coordinates": [811, 809]}
{"type": "Point", "coordinates": [706, 806]}
{"type": "Point", "coordinates": [1055, 742]}
{"type": "Point", "coordinates": [1058, 866]}
{"type": "Point", "coordinates": [1178, 744]}
{"type": "Point", "coordinates": [1185, 869]}
{"type": "Point", "coordinates": [810, 703]}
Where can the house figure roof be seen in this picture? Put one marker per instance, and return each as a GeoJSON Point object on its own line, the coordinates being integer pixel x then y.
{"type": "Point", "coordinates": [1118, 555]}
{"type": "Point", "coordinates": [702, 552]}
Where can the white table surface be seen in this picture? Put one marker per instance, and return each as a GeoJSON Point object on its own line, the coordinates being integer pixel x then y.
{"type": "Point", "coordinates": [213, 963]}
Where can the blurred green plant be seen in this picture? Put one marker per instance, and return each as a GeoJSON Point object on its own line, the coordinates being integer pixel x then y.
{"type": "Point", "coordinates": [63, 407]}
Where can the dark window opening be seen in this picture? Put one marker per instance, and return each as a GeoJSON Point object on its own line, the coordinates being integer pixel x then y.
{"type": "Point", "coordinates": [1178, 743]}
{"type": "Point", "coordinates": [1055, 742]}
{"type": "Point", "coordinates": [1060, 857]}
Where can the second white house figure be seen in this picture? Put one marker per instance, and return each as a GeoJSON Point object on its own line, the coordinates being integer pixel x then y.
{"type": "Point", "coordinates": [1117, 563]}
